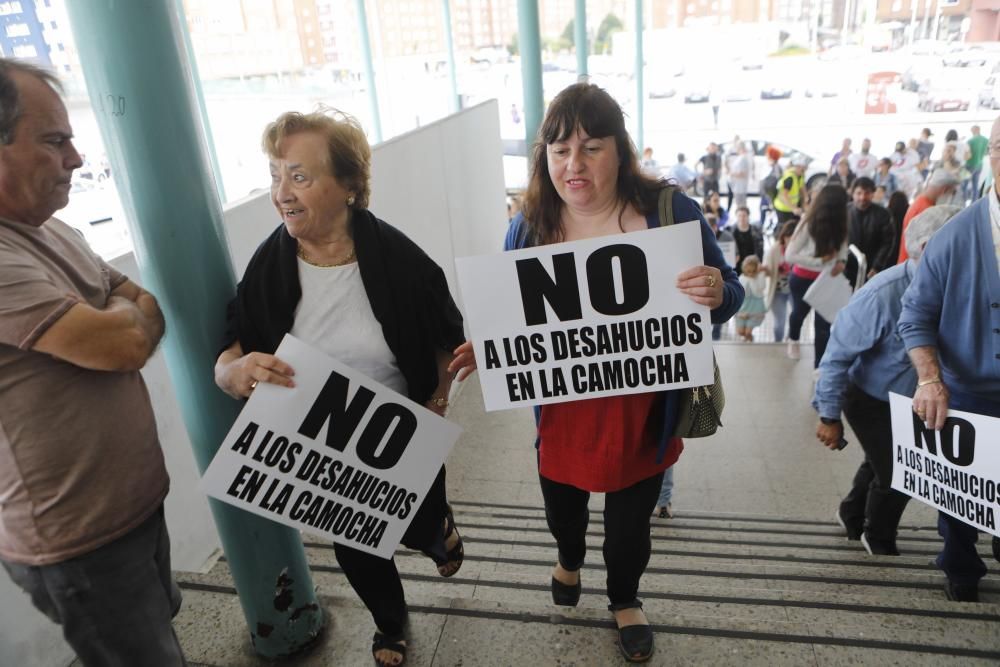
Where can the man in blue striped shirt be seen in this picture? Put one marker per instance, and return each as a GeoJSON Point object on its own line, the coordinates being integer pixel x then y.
{"type": "Point", "coordinates": [864, 361]}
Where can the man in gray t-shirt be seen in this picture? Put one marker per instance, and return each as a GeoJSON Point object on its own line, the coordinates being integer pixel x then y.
{"type": "Point", "coordinates": [82, 476]}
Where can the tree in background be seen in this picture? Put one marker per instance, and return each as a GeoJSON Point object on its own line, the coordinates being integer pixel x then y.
{"type": "Point", "coordinates": [610, 25]}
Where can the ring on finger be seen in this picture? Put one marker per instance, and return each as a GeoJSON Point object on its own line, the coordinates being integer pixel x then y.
{"type": "Point", "coordinates": [711, 281]}
{"type": "Point", "coordinates": [253, 385]}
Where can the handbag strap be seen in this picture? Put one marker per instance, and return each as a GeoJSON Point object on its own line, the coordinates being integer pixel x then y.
{"type": "Point", "coordinates": [665, 205]}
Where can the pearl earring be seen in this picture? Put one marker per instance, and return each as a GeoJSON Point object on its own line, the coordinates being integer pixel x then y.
{"type": "Point", "coordinates": [350, 200]}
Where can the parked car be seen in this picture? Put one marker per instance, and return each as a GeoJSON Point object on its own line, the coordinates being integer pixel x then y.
{"type": "Point", "coordinates": [697, 94]}
{"type": "Point", "coordinates": [948, 98]}
{"type": "Point", "coordinates": [817, 169]}
{"type": "Point", "coordinates": [989, 94]}
{"type": "Point", "coordinates": [775, 91]}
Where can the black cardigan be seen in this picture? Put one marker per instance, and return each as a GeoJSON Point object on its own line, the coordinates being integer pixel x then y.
{"type": "Point", "coordinates": [408, 293]}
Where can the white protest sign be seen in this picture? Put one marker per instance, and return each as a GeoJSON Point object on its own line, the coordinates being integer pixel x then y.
{"type": "Point", "coordinates": [597, 317]}
{"type": "Point", "coordinates": [955, 470]}
{"type": "Point", "coordinates": [337, 455]}
{"type": "Point", "coordinates": [728, 249]}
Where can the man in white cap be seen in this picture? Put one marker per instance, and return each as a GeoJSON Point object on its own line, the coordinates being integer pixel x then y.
{"type": "Point", "coordinates": [950, 325]}
{"type": "Point", "coordinates": [941, 186]}
{"type": "Point", "coordinates": [864, 361]}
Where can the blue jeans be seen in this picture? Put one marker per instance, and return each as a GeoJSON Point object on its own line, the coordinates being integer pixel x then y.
{"type": "Point", "coordinates": [115, 602]}
{"type": "Point", "coordinates": [821, 328]}
{"type": "Point", "coordinates": [779, 309]}
{"type": "Point", "coordinates": [959, 559]}
{"type": "Point", "coordinates": [667, 488]}
{"type": "Point", "coordinates": [972, 190]}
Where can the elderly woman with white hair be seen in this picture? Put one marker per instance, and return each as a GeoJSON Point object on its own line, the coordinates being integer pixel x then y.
{"type": "Point", "coordinates": [865, 360]}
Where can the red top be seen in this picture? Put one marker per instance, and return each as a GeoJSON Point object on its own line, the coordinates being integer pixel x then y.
{"type": "Point", "coordinates": [919, 205]}
{"type": "Point", "coordinates": [603, 444]}
{"type": "Point", "coordinates": [805, 273]}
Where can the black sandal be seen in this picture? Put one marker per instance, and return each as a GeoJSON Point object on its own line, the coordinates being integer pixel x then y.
{"type": "Point", "coordinates": [634, 641]}
{"type": "Point", "coordinates": [455, 555]}
{"type": "Point", "coordinates": [395, 644]}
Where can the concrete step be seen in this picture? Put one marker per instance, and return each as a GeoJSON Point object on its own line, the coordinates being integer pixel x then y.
{"type": "Point", "coordinates": [483, 631]}
{"type": "Point", "coordinates": [718, 589]}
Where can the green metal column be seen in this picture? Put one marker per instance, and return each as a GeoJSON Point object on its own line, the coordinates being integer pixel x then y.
{"type": "Point", "coordinates": [366, 54]}
{"type": "Point", "coordinates": [530, 47]}
{"type": "Point", "coordinates": [640, 94]}
{"type": "Point", "coordinates": [456, 101]}
{"type": "Point", "coordinates": [139, 80]}
{"type": "Point", "coordinates": [580, 37]}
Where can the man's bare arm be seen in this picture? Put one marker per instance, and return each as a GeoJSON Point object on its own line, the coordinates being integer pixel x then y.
{"type": "Point", "coordinates": [120, 337]}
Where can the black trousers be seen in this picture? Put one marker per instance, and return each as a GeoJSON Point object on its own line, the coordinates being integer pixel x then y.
{"type": "Point", "coordinates": [872, 502]}
{"type": "Point", "coordinates": [376, 580]}
{"type": "Point", "coordinates": [798, 286]}
{"type": "Point", "coordinates": [626, 530]}
{"type": "Point", "coordinates": [783, 216]}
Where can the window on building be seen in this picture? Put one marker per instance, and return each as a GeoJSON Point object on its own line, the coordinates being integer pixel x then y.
{"type": "Point", "coordinates": [7, 8]}
{"type": "Point", "coordinates": [25, 51]}
{"type": "Point", "coordinates": [18, 30]}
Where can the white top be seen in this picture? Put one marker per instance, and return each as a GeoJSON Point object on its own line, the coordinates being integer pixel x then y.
{"type": "Point", "coordinates": [756, 286]}
{"type": "Point", "coordinates": [335, 316]}
{"type": "Point", "coordinates": [863, 164]}
{"type": "Point", "coordinates": [801, 250]}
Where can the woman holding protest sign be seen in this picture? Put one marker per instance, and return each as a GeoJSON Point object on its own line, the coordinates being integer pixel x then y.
{"type": "Point", "coordinates": [355, 287]}
{"type": "Point", "coordinates": [586, 183]}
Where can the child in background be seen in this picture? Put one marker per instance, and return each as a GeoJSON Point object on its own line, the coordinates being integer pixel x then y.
{"type": "Point", "coordinates": [751, 313]}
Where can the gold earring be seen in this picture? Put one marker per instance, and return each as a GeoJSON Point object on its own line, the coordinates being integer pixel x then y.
{"type": "Point", "coordinates": [350, 200]}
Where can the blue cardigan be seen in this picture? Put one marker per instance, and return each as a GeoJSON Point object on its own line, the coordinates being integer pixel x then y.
{"type": "Point", "coordinates": [685, 210]}
{"type": "Point", "coordinates": [953, 304]}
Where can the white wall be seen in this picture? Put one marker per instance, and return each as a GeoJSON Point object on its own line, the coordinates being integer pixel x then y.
{"type": "Point", "coordinates": [441, 184]}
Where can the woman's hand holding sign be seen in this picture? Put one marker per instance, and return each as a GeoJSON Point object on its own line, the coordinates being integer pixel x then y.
{"type": "Point", "coordinates": [464, 363]}
{"type": "Point", "coordinates": [239, 374]}
{"type": "Point", "coordinates": [703, 284]}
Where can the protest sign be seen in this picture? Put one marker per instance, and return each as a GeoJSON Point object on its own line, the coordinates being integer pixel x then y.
{"type": "Point", "coordinates": [337, 455]}
{"type": "Point", "coordinates": [590, 318]}
{"type": "Point", "coordinates": [955, 470]}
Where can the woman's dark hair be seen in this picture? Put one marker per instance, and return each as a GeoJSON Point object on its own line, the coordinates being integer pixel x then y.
{"type": "Point", "coordinates": [898, 204]}
{"type": "Point", "coordinates": [592, 110]}
{"type": "Point", "coordinates": [951, 135]}
{"type": "Point", "coordinates": [827, 217]}
{"type": "Point", "coordinates": [707, 204]}
{"type": "Point", "coordinates": [787, 229]}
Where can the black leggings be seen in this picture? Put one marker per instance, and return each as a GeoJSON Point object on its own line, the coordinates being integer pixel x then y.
{"type": "Point", "coordinates": [376, 580]}
{"type": "Point", "coordinates": [626, 530]}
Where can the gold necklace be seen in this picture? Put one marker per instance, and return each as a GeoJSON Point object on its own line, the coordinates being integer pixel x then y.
{"type": "Point", "coordinates": [305, 258]}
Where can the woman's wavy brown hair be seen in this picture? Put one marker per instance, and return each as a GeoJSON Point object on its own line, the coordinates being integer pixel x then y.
{"type": "Point", "coordinates": [591, 109]}
{"type": "Point", "coordinates": [827, 218]}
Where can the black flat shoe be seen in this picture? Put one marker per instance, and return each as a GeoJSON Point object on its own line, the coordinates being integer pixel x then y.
{"type": "Point", "coordinates": [565, 595]}
{"type": "Point", "coordinates": [394, 644]}
{"type": "Point", "coordinates": [634, 641]}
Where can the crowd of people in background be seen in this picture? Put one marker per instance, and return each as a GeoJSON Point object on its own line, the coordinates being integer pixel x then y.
{"type": "Point", "coordinates": [884, 193]}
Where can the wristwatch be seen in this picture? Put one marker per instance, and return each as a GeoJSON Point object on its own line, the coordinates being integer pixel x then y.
{"type": "Point", "coordinates": [439, 402]}
{"type": "Point", "coordinates": [828, 421]}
